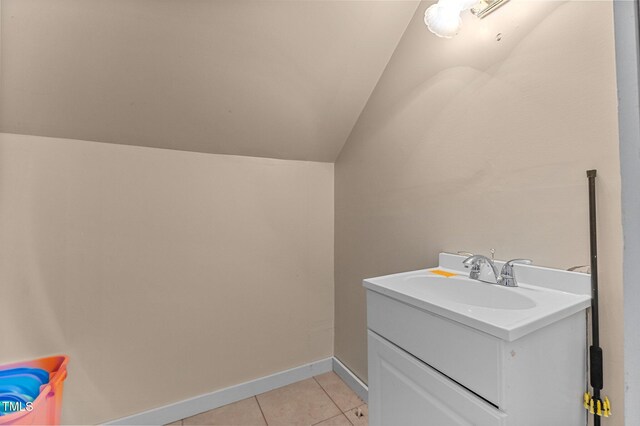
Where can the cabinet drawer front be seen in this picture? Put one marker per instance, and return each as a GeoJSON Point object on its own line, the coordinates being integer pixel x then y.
{"type": "Point", "coordinates": [467, 356]}
{"type": "Point", "coordinates": [405, 391]}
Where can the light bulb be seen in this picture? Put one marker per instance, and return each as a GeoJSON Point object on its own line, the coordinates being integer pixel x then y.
{"type": "Point", "coordinates": [451, 5]}
{"type": "Point", "coordinates": [443, 18]}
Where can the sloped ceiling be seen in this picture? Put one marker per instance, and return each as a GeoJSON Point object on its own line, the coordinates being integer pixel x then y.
{"type": "Point", "coordinates": [280, 79]}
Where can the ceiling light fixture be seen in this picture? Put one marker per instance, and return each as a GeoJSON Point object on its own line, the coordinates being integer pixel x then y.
{"type": "Point", "coordinates": [444, 20]}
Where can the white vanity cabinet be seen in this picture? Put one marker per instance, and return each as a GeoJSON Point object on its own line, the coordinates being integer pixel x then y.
{"type": "Point", "coordinates": [405, 391]}
{"type": "Point", "coordinates": [430, 366]}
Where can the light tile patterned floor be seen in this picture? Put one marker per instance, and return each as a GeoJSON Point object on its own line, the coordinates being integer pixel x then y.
{"type": "Point", "coordinates": [323, 400]}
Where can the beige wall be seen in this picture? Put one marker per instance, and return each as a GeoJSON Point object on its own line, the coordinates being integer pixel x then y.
{"type": "Point", "coordinates": [163, 274]}
{"type": "Point", "coordinates": [473, 143]}
{"type": "Point", "coordinates": [265, 78]}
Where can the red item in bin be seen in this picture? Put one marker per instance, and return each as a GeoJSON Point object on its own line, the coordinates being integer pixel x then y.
{"type": "Point", "coordinates": [47, 407]}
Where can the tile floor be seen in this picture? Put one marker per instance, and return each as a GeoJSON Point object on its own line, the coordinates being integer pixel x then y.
{"type": "Point", "coordinates": [323, 400]}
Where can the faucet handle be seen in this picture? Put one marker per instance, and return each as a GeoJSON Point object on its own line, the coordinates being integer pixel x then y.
{"type": "Point", "coordinates": [474, 273]}
{"type": "Point", "coordinates": [482, 268]}
{"type": "Point", "coordinates": [507, 276]}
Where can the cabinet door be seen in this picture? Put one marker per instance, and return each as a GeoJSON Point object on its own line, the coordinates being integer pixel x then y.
{"type": "Point", "coordinates": [405, 391]}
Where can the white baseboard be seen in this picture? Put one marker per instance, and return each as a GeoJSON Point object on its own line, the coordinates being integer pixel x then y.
{"type": "Point", "coordinates": [209, 401]}
{"type": "Point", "coordinates": [199, 404]}
{"type": "Point", "coordinates": [351, 379]}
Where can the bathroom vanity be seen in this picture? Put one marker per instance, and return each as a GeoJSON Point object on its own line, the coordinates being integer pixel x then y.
{"type": "Point", "coordinates": [448, 350]}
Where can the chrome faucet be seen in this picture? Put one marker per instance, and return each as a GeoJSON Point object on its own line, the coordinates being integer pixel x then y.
{"type": "Point", "coordinates": [484, 269]}
{"type": "Point", "coordinates": [508, 275]}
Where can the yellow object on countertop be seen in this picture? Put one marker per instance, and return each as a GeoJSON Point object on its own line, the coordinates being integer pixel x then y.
{"type": "Point", "coordinates": [443, 273]}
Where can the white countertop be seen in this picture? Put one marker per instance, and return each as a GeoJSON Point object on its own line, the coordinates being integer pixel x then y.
{"type": "Point", "coordinates": [543, 296]}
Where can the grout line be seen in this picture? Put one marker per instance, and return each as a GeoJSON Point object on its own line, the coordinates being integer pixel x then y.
{"type": "Point", "coordinates": [337, 415]}
{"type": "Point", "coordinates": [261, 412]}
{"type": "Point", "coordinates": [343, 412]}
{"type": "Point", "coordinates": [325, 391]}
{"type": "Point", "coordinates": [348, 419]}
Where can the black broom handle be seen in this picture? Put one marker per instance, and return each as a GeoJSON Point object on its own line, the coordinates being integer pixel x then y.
{"type": "Point", "coordinates": [595, 352]}
{"type": "Point", "coordinates": [594, 258]}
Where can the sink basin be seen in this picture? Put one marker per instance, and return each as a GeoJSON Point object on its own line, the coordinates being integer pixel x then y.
{"type": "Point", "coordinates": [465, 291]}
{"type": "Point", "coordinates": [542, 297]}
